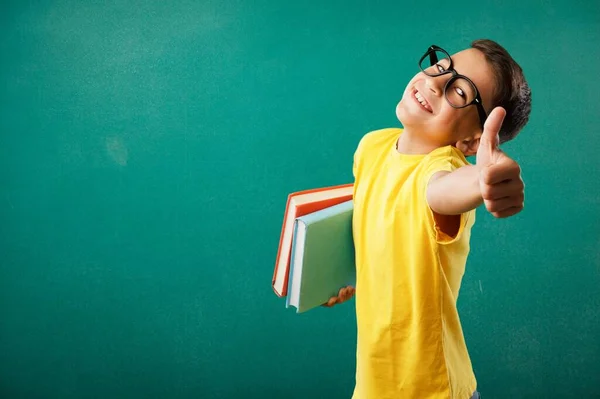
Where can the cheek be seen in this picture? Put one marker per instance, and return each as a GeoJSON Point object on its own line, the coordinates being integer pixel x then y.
{"type": "Point", "coordinates": [467, 120]}
{"type": "Point", "coordinates": [452, 117]}
{"type": "Point", "coordinates": [448, 117]}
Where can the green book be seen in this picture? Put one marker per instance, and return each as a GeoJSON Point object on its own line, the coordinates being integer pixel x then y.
{"type": "Point", "coordinates": [322, 258]}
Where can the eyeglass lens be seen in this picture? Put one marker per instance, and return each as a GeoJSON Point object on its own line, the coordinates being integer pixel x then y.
{"type": "Point", "coordinates": [459, 92]}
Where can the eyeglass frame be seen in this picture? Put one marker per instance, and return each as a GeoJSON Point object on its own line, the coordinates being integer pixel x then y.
{"type": "Point", "coordinates": [455, 75]}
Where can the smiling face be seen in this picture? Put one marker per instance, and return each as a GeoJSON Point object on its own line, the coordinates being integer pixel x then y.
{"type": "Point", "coordinates": [427, 116]}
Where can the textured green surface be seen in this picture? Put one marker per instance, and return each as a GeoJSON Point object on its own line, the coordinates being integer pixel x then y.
{"type": "Point", "coordinates": [146, 152]}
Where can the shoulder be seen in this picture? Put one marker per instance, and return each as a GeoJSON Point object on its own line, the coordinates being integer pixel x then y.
{"type": "Point", "coordinates": [448, 154]}
{"type": "Point", "coordinates": [377, 138]}
{"type": "Point", "coordinates": [443, 159]}
{"type": "Point", "coordinates": [382, 134]}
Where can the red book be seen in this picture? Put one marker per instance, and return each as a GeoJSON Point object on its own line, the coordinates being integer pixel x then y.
{"type": "Point", "coordinates": [299, 204]}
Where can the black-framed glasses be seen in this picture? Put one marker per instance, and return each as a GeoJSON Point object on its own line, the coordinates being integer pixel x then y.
{"type": "Point", "coordinates": [459, 91]}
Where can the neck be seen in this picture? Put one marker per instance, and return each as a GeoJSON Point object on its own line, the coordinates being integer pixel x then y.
{"type": "Point", "coordinates": [413, 144]}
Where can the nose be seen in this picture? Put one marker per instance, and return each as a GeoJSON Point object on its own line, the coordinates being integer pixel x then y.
{"type": "Point", "coordinates": [435, 84]}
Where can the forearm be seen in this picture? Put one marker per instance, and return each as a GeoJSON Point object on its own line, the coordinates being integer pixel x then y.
{"type": "Point", "coordinates": [454, 193]}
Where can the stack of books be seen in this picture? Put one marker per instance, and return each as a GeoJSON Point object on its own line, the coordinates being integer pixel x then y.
{"type": "Point", "coordinates": [315, 257]}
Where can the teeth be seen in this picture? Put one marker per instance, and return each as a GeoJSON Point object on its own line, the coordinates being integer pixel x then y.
{"type": "Point", "coordinates": [421, 99]}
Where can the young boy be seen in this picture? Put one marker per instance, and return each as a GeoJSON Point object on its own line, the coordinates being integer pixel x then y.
{"type": "Point", "coordinates": [414, 206]}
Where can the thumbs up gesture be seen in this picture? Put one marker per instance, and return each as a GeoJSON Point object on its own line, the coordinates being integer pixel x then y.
{"type": "Point", "coordinates": [500, 180]}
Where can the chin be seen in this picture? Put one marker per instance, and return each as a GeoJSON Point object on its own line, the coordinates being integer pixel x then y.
{"type": "Point", "coordinates": [400, 112]}
{"type": "Point", "coordinates": [406, 116]}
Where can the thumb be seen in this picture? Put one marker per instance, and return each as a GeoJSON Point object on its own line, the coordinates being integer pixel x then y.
{"type": "Point", "coordinates": [489, 142]}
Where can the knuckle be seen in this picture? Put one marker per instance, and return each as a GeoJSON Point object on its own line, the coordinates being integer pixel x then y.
{"type": "Point", "coordinates": [495, 206]}
{"type": "Point", "coordinates": [487, 175]}
{"type": "Point", "coordinates": [487, 192]}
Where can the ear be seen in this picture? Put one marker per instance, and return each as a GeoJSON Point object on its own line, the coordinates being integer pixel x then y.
{"type": "Point", "coordinates": [469, 146]}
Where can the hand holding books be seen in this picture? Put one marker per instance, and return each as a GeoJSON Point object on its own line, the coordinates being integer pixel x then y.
{"type": "Point", "coordinates": [315, 260]}
{"type": "Point", "coordinates": [345, 294]}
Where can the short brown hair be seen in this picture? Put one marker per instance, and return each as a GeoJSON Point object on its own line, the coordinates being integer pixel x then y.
{"type": "Point", "coordinates": [512, 91]}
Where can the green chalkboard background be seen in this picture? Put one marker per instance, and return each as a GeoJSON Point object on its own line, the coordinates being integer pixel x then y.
{"type": "Point", "coordinates": [146, 152]}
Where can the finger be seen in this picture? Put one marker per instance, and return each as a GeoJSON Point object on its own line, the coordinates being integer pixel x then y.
{"type": "Point", "coordinates": [332, 301]}
{"type": "Point", "coordinates": [503, 204]}
{"type": "Point", "coordinates": [510, 188]}
{"type": "Point", "coordinates": [349, 293]}
{"type": "Point", "coordinates": [504, 170]}
{"type": "Point", "coordinates": [491, 128]}
{"type": "Point", "coordinates": [508, 212]}
{"type": "Point", "coordinates": [345, 295]}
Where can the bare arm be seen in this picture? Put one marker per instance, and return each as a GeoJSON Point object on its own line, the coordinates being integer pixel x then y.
{"type": "Point", "coordinates": [454, 193]}
{"type": "Point", "coordinates": [495, 179]}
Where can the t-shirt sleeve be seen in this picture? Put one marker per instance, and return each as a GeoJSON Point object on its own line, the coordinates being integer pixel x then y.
{"type": "Point", "coordinates": [447, 159]}
{"type": "Point", "coordinates": [354, 163]}
{"type": "Point", "coordinates": [357, 158]}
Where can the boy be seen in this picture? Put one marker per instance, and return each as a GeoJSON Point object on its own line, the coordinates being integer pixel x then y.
{"type": "Point", "coordinates": [414, 205]}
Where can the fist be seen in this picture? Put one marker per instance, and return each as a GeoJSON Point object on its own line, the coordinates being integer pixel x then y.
{"type": "Point", "coordinates": [343, 295]}
{"type": "Point", "coordinates": [500, 180]}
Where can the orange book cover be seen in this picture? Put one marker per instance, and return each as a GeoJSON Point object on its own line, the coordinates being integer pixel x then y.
{"type": "Point", "coordinates": [308, 201]}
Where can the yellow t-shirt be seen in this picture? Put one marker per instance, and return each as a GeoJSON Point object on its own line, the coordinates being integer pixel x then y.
{"type": "Point", "coordinates": [410, 341]}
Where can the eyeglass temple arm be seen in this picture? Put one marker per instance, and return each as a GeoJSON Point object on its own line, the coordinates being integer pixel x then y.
{"type": "Point", "coordinates": [482, 114]}
{"type": "Point", "coordinates": [433, 57]}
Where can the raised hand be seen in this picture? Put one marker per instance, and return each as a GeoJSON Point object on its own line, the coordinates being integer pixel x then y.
{"type": "Point", "coordinates": [500, 180]}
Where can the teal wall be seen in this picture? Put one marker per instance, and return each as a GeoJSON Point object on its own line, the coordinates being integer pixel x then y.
{"type": "Point", "coordinates": [146, 152]}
